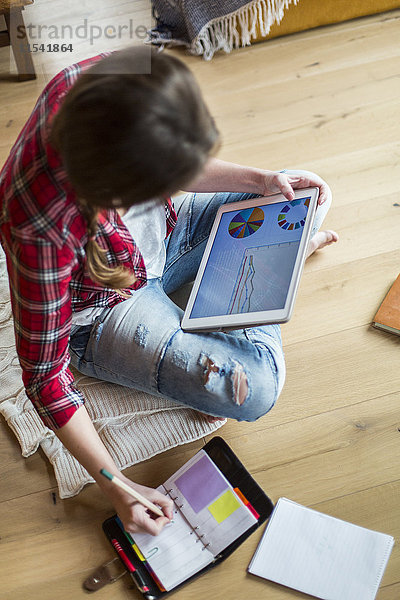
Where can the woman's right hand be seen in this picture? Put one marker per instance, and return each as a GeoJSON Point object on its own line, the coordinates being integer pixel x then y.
{"type": "Point", "coordinates": [136, 517]}
{"type": "Point", "coordinates": [81, 438]}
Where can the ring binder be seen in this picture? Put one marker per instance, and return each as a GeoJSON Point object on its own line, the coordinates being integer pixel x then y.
{"type": "Point", "coordinates": [221, 514]}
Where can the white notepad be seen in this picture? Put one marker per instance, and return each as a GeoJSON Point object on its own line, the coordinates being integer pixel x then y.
{"type": "Point", "coordinates": [320, 555]}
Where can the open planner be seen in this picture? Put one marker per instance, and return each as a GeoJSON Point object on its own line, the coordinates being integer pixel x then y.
{"type": "Point", "coordinates": [217, 506]}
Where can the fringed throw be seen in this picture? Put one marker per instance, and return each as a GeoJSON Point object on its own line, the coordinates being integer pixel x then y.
{"type": "Point", "coordinates": [207, 26]}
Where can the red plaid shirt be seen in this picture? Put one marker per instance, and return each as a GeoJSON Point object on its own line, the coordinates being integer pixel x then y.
{"type": "Point", "coordinates": [44, 235]}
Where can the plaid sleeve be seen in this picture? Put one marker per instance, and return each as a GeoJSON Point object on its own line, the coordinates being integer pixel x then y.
{"type": "Point", "coordinates": [170, 216]}
{"type": "Point", "coordinates": [39, 275]}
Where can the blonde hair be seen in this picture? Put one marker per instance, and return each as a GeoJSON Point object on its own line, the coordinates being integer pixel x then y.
{"type": "Point", "coordinates": [117, 278]}
{"type": "Point", "coordinates": [130, 137]}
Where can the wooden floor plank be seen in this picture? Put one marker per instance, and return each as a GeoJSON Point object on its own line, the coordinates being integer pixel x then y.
{"type": "Point", "coordinates": [340, 292]}
{"type": "Point", "coordinates": [366, 228]}
{"type": "Point", "coordinates": [318, 101]}
{"type": "Point", "coordinates": [366, 173]}
{"type": "Point", "coordinates": [390, 592]}
{"type": "Point", "coordinates": [21, 476]}
{"type": "Point", "coordinates": [343, 455]}
{"type": "Point", "coordinates": [302, 55]}
{"type": "Point", "coordinates": [285, 149]}
{"type": "Point", "coordinates": [354, 365]}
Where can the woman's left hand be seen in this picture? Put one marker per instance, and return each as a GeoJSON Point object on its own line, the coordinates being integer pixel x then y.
{"type": "Point", "coordinates": [275, 182]}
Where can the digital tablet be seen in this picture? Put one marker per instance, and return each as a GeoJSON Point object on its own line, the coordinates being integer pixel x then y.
{"type": "Point", "coordinates": [252, 264]}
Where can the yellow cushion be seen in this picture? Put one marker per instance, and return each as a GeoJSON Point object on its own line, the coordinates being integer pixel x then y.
{"type": "Point", "coordinates": [313, 13]}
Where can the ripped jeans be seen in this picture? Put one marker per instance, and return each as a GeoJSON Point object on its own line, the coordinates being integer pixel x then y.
{"type": "Point", "coordinates": [139, 342]}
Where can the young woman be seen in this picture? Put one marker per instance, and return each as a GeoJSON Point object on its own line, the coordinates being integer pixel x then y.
{"type": "Point", "coordinates": [94, 246]}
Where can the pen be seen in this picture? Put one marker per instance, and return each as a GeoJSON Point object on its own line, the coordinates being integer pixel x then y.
{"type": "Point", "coordinates": [155, 509]}
{"type": "Point", "coordinates": [136, 576]}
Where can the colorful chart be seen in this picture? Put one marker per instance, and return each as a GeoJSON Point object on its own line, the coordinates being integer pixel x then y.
{"type": "Point", "coordinates": [293, 215]}
{"type": "Point", "coordinates": [246, 222]}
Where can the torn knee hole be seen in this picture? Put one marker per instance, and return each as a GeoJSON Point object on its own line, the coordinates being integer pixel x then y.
{"type": "Point", "coordinates": [210, 367]}
{"type": "Point", "coordinates": [238, 377]}
{"type": "Point", "coordinates": [240, 385]}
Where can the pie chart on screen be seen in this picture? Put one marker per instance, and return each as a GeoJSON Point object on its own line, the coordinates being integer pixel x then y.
{"type": "Point", "coordinates": [293, 215]}
{"type": "Point", "coordinates": [246, 222]}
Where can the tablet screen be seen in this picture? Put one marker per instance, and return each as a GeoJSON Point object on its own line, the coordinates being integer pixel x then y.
{"type": "Point", "coordinates": [251, 261]}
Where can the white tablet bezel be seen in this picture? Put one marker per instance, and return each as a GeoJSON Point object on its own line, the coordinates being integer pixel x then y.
{"type": "Point", "coordinates": [238, 321]}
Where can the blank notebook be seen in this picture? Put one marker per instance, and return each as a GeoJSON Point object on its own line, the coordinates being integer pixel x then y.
{"type": "Point", "coordinates": [320, 555]}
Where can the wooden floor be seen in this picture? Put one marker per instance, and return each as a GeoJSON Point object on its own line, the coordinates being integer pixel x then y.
{"type": "Point", "coordinates": [325, 100]}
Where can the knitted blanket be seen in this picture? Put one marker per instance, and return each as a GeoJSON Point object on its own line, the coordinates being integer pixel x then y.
{"type": "Point", "coordinates": [205, 26]}
{"type": "Point", "coordinates": [133, 426]}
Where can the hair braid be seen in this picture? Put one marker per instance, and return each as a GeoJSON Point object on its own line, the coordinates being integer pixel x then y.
{"type": "Point", "coordinates": [116, 278]}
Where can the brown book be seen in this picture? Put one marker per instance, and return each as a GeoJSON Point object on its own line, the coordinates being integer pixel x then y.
{"type": "Point", "coordinates": [388, 315]}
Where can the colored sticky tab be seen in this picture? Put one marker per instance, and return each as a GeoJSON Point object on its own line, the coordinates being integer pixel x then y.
{"type": "Point", "coordinates": [241, 496]}
{"type": "Point", "coordinates": [247, 503]}
{"type": "Point", "coordinates": [139, 554]}
{"type": "Point", "coordinates": [222, 508]}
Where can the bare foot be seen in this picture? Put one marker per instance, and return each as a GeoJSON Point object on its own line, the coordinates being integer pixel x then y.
{"type": "Point", "coordinates": [320, 240]}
